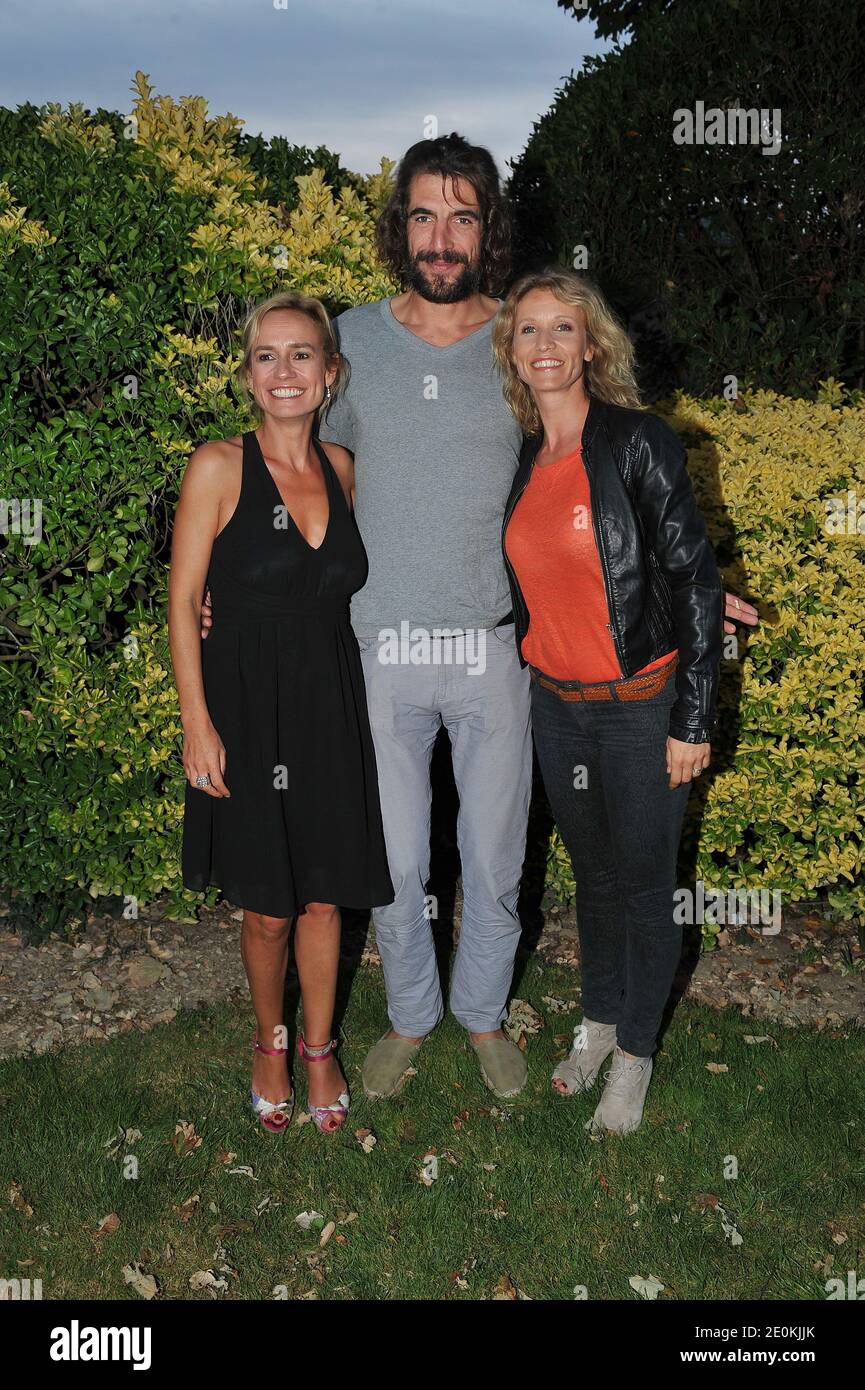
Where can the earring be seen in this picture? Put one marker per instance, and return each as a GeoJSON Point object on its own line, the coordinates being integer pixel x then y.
{"type": "Point", "coordinates": [327, 395]}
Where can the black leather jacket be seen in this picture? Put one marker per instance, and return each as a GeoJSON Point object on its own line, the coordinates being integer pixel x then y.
{"type": "Point", "coordinates": [662, 582]}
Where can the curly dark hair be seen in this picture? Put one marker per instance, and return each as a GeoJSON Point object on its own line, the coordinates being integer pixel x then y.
{"type": "Point", "coordinates": [453, 157]}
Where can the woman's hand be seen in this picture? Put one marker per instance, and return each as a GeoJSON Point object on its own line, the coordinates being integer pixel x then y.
{"type": "Point", "coordinates": [686, 760]}
{"type": "Point", "coordinates": [204, 752]}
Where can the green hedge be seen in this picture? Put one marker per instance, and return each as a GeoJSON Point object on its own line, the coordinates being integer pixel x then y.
{"type": "Point", "coordinates": [128, 253]}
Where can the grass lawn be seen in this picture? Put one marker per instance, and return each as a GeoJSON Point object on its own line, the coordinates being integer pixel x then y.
{"type": "Point", "coordinates": [524, 1199]}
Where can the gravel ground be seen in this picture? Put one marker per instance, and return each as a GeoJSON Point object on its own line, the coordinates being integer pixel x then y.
{"type": "Point", "coordinates": [115, 976]}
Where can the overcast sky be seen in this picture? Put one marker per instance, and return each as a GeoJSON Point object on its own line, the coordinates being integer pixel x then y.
{"type": "Point", "coordinates": [358, 76]}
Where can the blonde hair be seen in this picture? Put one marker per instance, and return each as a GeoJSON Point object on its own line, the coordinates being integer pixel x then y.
{"type": "Point", "coordinates": [304, 304]}
{"type": "Point", "coordinates": [609, 375]}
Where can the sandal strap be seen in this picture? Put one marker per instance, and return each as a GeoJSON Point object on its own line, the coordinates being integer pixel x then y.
{"type": "Point", "coordinates": [316, 1054]}
{"type": "Point", "coordinates": [268, 1051]}
{"type": "Point", "coordinates": [267, 1107]}
{"type": "Point", "coordinates": [341, 1103]}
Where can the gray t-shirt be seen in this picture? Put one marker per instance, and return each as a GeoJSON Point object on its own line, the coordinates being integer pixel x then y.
{"type": "Point", "coordinates": [436, 448]}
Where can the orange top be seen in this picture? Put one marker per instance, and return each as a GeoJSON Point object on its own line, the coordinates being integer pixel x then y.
{"type": "Point", "coordinates": [550, 542]}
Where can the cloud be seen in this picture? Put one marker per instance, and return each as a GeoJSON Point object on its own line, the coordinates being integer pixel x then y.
{"type": "Point", "coordinates": [358, 76]}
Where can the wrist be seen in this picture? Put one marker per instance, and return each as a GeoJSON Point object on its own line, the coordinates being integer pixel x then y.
{"type": "Point", "coordinates": [194, 718]}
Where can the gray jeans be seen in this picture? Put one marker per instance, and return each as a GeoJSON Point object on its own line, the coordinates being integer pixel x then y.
{"type": "Point", "coordinates": [486, 709]}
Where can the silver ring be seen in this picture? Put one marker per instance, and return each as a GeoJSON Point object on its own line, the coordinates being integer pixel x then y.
{"type": "Point", "coordinates": [203, 780]}
{"type": "Point", "coordinates": [696, 771]}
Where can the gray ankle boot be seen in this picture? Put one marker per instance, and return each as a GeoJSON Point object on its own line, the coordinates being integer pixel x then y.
{"type": "Point", "coordinates": [593, 1043]}
{"type": "Point", "coordinates": [620, 1108]}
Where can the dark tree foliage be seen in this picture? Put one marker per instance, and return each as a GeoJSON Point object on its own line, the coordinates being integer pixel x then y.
{"type": "Point", "coordinates": [722, 259]}
{"type": "Point", "coordinates": [280, 162]}
{"type": "Point", "coordinates": [614, 17]}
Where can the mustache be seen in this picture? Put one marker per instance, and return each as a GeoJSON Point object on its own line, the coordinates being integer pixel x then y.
{"type": "Point", "coordinates": [453, 257]}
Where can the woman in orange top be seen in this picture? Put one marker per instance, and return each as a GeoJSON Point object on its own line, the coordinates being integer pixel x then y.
{"type": "Point", "coordinates": [618, 612]}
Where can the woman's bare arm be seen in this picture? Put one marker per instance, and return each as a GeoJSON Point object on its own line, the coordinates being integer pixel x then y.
{"type": "Point", "coordinates": [196, 523]}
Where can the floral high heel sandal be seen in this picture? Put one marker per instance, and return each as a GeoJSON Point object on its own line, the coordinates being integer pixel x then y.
{"type": "Point", "coordinates": [275, 1116]}
{"type": "Point", "coordinates": [323, 1114]}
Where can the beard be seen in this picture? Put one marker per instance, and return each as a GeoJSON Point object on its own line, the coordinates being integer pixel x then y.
{"type": "Point", "coordinates": [439, 289]}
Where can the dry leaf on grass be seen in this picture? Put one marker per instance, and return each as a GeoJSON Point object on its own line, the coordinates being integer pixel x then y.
{"type": "Point", "coordinates": [366, 1139]}
{"type": "Point", "coordinates": [522, 1019]}
{"type": "Point", "coordinates": [185, 1140]}
{"type": "Point", "coordinates": [558, 1006]}
{"type": "Point", "coordinates": [18, 1200]}
{"type": "Point", "coordinates": [728, 1225]}
{"type": "Point", "coordinates": [305, 1219]}
{"type": "Point", "coordinates": [123, 1139]}
{"type": "Point", "coordinates": [186, 1209]}
{"type": "Point", "coordinates": [108, 1225]}
{"type": "Point", "coordinates": [206, 1279]}
{"type": "Point", "coordinates": [649, 1288]}
{"type": "Point", "coordinates": [144, 1284]}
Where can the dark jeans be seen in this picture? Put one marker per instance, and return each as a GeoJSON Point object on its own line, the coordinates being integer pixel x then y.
{"type": "Point", "coordinates": [621, 825]}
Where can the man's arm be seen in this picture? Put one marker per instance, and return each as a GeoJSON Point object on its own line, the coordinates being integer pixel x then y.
{"type": "Point", "coordinates": [336, 423]}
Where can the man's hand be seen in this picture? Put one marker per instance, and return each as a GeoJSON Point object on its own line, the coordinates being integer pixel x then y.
{"type": "Point", "coordinates": [736, 610]}
{"type": "Point", "coordinates": [207, 614]}
{"type": "Point", "coordinates": [686, 761]}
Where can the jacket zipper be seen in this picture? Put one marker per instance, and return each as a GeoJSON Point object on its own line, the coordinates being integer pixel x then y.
{"type": "Point", "coordinates": [604, 575]}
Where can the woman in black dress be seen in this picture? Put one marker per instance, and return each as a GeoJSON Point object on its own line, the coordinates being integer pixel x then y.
{"type": "Point", "coordinates": [282, 808]}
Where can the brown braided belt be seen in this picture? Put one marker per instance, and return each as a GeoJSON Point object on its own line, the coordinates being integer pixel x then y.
{"type": "Point", "coordinates": [632, 688]}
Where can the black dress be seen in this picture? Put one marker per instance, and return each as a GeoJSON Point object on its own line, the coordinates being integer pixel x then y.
{"type": "Point", "coordinates": [285, 691]}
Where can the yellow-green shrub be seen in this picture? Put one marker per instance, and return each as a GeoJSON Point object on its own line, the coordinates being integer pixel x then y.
{"type": "Point", "coordinates": [784, 807]}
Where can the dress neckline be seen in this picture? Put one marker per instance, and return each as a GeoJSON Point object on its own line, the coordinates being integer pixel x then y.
{"type": "Point", "coordinates": [325, 468]}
